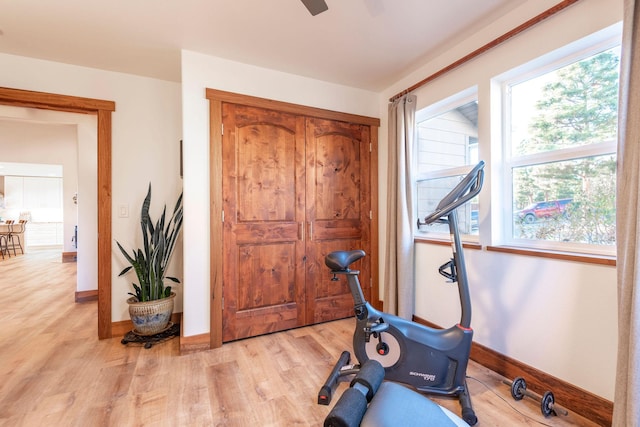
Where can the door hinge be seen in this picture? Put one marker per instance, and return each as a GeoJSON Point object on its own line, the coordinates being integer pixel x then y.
{"type": "Point", "coordinates": [222, 216]}
{"type": "Point", "coordinates": [371, 282]}
{"type": "Point", "coordinates": [371, 215]}
{"type": "Point", "coordinates": [370, 147]}
{"type": "Point", "coordinates": [221, 128]}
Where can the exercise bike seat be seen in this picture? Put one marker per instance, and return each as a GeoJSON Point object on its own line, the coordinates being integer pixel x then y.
{"type": "Point", "coordinates": [341, 260]}
{"type": "Point", "coordinates": [395, 405]}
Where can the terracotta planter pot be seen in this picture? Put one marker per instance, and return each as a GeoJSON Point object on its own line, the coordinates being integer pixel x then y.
{"type": "Point", "coordinates": [151, 317]}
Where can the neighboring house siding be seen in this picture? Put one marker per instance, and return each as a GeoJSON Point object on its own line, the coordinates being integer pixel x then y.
{"type": "Point", "coordinates": [442, 141]}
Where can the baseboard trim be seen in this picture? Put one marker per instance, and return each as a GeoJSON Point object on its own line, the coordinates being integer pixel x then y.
{"type": "Point", "coordinates": [119, 329]}
{"type": "Point", "coordinates": [580, 401]}
{"type": "Point", "coordinates": [86, 296]}
{"type": "Point", "coordinates": [69, 256]}
{"type": "Point", "coordinates": [575, 399]}
{"type": "Point", "coordinates": [194, 343]}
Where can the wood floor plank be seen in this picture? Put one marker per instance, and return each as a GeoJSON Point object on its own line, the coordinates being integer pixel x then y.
{"type": "Point", "coordinates": [55, 372]}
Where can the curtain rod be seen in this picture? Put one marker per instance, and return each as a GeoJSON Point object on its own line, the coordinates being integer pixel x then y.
{"type": "Point", "coordinates": [506, 36]}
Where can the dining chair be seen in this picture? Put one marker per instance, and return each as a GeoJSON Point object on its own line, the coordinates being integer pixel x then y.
{"type": "Point", "coordinates": [4, 238]}
{"type": "Point", "coordinates": [15, 231]}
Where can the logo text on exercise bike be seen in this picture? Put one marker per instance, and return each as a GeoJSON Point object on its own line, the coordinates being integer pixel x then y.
{"type": "Point", "coordinates": [426, 377]}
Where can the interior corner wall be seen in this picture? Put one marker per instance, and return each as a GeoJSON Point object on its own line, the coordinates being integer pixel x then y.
{"type": "Point", "coordinates": [557, 316]}
{"type": "Point", "coordinates": [146, 134]}
{"type": "Point", "coordinates": [200, 72]}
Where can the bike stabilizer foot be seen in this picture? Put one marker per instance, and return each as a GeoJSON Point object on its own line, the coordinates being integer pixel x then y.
{"type": "Point", "coordinates": [326, 391]}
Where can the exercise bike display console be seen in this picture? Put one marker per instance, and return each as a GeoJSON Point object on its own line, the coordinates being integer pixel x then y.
{"type": "Point", "coordinates": [433, 361]}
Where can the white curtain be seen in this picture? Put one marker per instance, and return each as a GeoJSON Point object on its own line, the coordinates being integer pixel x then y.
{"type": "Point", "coordinates": [399, 268]}
{"type": "Point", "coordinates": [626, 408]}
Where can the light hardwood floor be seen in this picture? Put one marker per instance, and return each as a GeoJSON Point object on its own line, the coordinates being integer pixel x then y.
{"type": "Point", "coordinates": [55, 372]}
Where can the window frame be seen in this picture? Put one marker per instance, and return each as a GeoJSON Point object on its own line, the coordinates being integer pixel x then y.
{"type": "Point", "coordinates": [429, 112]}
{"type": "Point", "coordinates": [572, 53]}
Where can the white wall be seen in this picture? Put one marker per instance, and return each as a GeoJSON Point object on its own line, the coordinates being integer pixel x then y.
{"type": "Point", "coordinates": [146, 134]}
{"type": "Point", "coordinates": [198, 73]}
{"type": "Point", "coordinates": [557, 316]}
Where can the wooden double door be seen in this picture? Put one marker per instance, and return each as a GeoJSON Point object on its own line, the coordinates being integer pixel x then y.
{"type": "Point", "coordinates": [294, 188]}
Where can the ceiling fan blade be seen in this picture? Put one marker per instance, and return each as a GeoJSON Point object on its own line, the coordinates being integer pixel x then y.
{"type": "Point", "coordinates": [315, 6]}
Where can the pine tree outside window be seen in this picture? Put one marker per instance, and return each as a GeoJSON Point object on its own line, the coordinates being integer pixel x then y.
{"type": "Point", "coordinates": [560, 154]}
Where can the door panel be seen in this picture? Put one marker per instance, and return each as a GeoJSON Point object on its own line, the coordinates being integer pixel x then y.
{"type": "Point", "coordinates": [263, 203]}
{"type": "Point", "coordinates": [328, 299]}
{"type": "Point", "coordinates": [294, 189]}
{"type": "Point", "coordinates": [337, 212]}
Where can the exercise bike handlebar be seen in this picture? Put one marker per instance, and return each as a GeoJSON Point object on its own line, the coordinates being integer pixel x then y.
{"type": "Point", "coordinates": [466, 190]}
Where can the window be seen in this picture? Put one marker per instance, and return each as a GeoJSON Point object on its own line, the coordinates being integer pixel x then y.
{"type": "Point", "coordinates": [560, 154]}
{"type": "Point", "coordinates": [447, 143]}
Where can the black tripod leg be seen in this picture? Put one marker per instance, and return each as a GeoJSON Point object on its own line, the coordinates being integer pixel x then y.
{"type": "Point", "coordinates": [468, 415]}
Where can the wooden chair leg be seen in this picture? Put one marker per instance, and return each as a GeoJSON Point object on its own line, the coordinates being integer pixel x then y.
{"type": "Point", "coordinates": [13, 245]}
{"type": "Point", "coordinates": [3, 248]}
{"type": "Point", "coordinates": [20, 245]}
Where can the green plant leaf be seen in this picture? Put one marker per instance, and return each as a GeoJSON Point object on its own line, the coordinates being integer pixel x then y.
{"type": "Point", "coordinates": [126, 269]}
{"type": "Point", "coordinates": [151, 261]}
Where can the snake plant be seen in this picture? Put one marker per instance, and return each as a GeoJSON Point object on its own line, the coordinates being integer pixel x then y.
{"type": "Point", "coordinates": [150, 262]}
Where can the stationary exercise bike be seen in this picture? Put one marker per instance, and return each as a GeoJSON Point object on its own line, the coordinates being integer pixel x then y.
{"type": "Point", "coordinates": [433, 361]}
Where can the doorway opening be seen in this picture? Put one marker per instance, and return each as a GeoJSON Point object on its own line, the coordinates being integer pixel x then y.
{"type": "Point", "coordinates": [102, 109]}
{"type": "Point", "coordinates": [34, 192]}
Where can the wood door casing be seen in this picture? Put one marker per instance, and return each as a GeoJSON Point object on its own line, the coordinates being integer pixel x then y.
{"type": "Point", "coordinates": [294, 188]}
{"type": "Point", "coordinates": [103, 109]}
{"type": "Point", "coordinates": [338, 209]}
{"type": "Point", "coordinates": [263, 202]}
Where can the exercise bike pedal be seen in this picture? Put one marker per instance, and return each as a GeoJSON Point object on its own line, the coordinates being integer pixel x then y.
{"type": "Point", "coordinates": [382, 348]}
{"type": "Point", "coordinates": [451, 275]}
